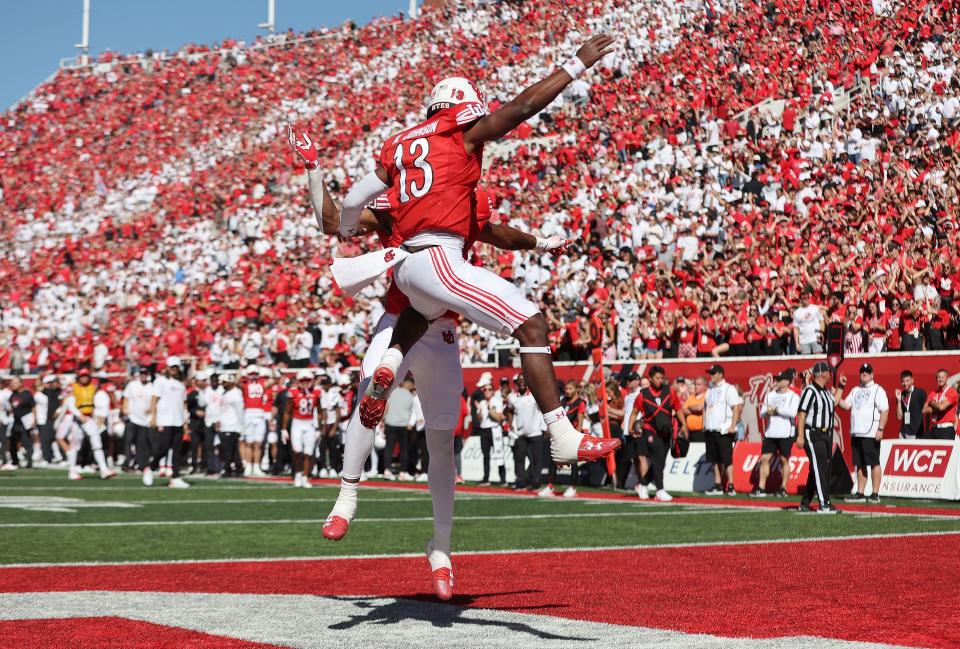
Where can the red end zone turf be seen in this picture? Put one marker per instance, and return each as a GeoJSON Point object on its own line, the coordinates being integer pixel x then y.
{"type": "Point", "coordinates": [856, 589]}
{"type": "Point", "coordinates": [111, 633]}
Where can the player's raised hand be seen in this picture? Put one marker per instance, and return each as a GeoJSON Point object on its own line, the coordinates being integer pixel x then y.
{"type": "Point", "coordinates": [303, 145]}
{"type": "Point", "coordinates": [595, 49]}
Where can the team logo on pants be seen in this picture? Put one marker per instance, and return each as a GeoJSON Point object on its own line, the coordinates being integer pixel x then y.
{"type": "Point", "coordinates": [448, 337]}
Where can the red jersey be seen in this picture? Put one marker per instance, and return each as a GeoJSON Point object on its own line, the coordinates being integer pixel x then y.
{"type": "Point", "coordinates": [433, 176]}
{"type": "Point", "coordinates": [304, 402]}
{"type": "Point", "coordinates": [255, 396]}
{"type": "Point", "coordinates": [949, 416]}
{"type": "Point", "coordinates": [396, 301]}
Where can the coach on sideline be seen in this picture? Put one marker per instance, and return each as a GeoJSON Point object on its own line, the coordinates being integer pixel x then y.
{"type": "Point", "coordinates": [869, 409]}
{"type": "Point", "coordinates": [815, 420]}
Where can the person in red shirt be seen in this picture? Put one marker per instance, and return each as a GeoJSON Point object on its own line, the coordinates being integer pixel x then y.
{"type": "Point", "coordinates": [941, 406]}
{"type": "Point", "coordinates": [300, 426]}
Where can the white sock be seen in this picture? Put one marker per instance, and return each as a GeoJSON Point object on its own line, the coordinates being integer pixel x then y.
{"type": "Point", "coordinates": [564, 441]}
{"type": "Point", "coordinates": [392, 359]}
{"type": "Point", "coordinates": [101, 460]}
{"type": "Point", "coordinates": [72, 457]}
{"type": "Point", "coordinates": [443, 477]}
{"type": "Point", "coordinates": [554, 415]}
{"type": "Point", "coordinates": [346, 505]}
{"type": "Point", "coordinates": [357, 444]}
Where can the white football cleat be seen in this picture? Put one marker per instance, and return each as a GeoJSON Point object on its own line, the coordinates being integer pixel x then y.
{"type": "Point", "coordinates": [74, 475]}
{"type": "Point", "coordinates": [406, 477]}
{"type": "Point", "coordinates": [388, 475]}
{"type": "Point", "coordinates": [570, 493]}
{"type": "Point", "coordinates": [178, 483]}
{"type": "Point", "coordinates": [305, 483]}
{"type": "Point", "coordinates": [147, 477]}
{"type": "Point", "coordinates": [109, 473]}
{"type": "Point", "coordinates": [298, 480]}
{"type": "Point", "coordinates": [547, 492]}
{"type": "Point", "coordinates": [258, 472]}
{"type": "Point", "coordinates": [663, 496]}
{"type": "Point", "coordinates": [247, 470]}
{"type": "Point", "coordinates": [642, 492]}
{"type": "Point", "coordinates": [423, 477]}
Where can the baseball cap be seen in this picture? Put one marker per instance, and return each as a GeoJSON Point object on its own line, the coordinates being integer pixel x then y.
{"type": "Point", "coordinates": [785, 375]}
{"type": "Point", "coordinates": [173, 361]}
{"type": "Point", "coordinates": [485, 379]}
{"type": "Point", "coordinates": [49, 378]}
{"type": "Point", "coordinates": [304, 375]}
{"type": "Point", "coordinates": [83, 371]}
{"type": "Point", "coordinates": [820, 367]}
{"type": "Point", "coordinates": [633, 376]}
{"type": "Point", "coordinates": [866, 367]}
{"type": "Point", "coordinates": [715, 369]}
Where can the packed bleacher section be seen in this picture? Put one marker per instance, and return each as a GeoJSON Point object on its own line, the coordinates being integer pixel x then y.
{"type": "Point", "coordinates": [151, 206]}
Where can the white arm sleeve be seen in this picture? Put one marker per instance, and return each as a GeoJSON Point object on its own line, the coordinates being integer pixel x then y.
{"type": "Point", "coordinates": [315, 179]}
{"type": "Point", "coordinates": [364, 191]}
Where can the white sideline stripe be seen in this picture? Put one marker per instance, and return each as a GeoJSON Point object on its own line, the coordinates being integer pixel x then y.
{"type": "Point", "coordinates": [294, 521]}
{"type": "Point", "coordinates": [403, 555]}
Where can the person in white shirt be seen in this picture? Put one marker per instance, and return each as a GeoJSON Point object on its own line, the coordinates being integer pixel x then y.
{"type": "Point", "coordinates": [211, 400]}
{"type": "Point", "coordinates": [779, 412]}
{"type": "Point", "coordinates": [869, 409]}
{"type": "Point", "coordinates": [808, 322]}
{"type": "Point", "coordinates": [331, 402]}
{"type": "Point", "coordinates": [721, 414]}
{"type": "Point", "coordinates": [42, 411]}
{"type": "Point", "coordinates": [168, 418]}
{"type": "Point", "coordinates": [229, 425]}
{"type": "Point", "coordinates": [528, 427]}
{"type": "Point", "coordinates": [418, 440]}
{"type": "Point", "coordinates": [302, 346]}
{"type": "Point", "coordinates": [137, 400]}
{"type": "Point", "coordinates": [102, 405]}
{"type": "Point", "coordinates": [490, 415]}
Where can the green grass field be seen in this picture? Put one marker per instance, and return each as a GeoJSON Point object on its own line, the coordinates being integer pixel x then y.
{"type": "Point", "coordinates": [45, 518]}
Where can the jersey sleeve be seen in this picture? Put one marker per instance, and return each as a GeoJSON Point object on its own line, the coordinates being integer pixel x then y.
{"type": "Point", "coordinates": [463, 115]}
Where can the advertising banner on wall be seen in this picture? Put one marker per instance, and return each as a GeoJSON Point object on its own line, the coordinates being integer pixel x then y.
{"type": "Point", "coordinates": [920, 469]}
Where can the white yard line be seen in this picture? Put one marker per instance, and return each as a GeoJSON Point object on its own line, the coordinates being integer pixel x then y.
{"type": "Point", "coordinates": [298, 521]}
{"type": "Point", "coordinates": [402, 555]}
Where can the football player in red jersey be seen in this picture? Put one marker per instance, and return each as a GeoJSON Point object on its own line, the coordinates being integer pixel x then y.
{"type": "Point", "coordinates": [434, 361]}
{"type": "Point", "coordinates": [300, 426]}
{"type": "Point", "coordinates": [256, 410]}
{"type": "Point", "coordinates": [433, 168]}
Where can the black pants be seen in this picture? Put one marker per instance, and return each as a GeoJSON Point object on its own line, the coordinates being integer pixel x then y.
{"type": "Point", "coordinates": [527, 450]}
{"type": "Point", "coordinates": [166, 439]}
{"type": "Point", "coordinates": [198, 445]}
{"type": "Point", "coordinates": [20, 436]}
{"type": "Point", "coordinates": [46, 434]}
{"type": "Point", "coordinates": [143, 441]}
{"type": "Point", "coordinates": [625, 457]}
{"type": "Point", "coordinates": [945, 432]}
{"type": "Point", "coordinates": [819, 444]}
{"type": "Point", "coordinates": [486, 447]}
{"type": "Point", "coordinates": [229, 453]}
{"type": "Point", "coordinates": [457, 448]}
{"type": "Point", "coordinates": [129, 444]}
{"type": "Point", "coordinates": [656, 460]}
{"type": "Point", "coordinates": [418, 451]}
{"type": "Point", "coordinates": [395, 435]}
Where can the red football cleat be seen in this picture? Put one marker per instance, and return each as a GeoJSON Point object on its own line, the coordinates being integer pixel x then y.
{"type": "Point", "coordinates": [335, 528]}
{"type": "Point", "coordinates": [374, 402]}
{"type": "Point", "coordinates": [443, 583]}
{"type": "Point", "coordinates": [594, 448]}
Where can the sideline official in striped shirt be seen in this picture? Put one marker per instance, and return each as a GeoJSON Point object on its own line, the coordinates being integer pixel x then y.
{"type": "Point", "coordinates": [815, 417]}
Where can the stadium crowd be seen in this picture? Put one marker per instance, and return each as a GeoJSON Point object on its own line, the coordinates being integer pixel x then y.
{"type": "Point", "coordinates": [152, 209]}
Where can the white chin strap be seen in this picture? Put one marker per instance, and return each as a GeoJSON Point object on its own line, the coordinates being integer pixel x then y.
{"type": "Point", "coordinates": [535, 350]}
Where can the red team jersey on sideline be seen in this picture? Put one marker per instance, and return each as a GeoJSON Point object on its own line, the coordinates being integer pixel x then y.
{"type": "Point", "coordinates": [304, 403]}
{"type": "Point", "coordinates": [255, 396]}
{"type": "Point", "coordinates": [432, 176]}
{"type": "Point", "coordinates": [395, 301]}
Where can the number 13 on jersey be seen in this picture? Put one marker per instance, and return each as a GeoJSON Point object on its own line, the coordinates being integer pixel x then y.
{"type": "Point", "coordinates": [416, 152]}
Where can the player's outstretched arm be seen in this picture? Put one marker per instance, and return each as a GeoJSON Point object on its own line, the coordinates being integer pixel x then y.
{"type": "Point", "coordinates": [324, 209]}
{"type": "Point", "coordinates": [538, 96]}
{"type": "Point", "coordinates": [509, 238]}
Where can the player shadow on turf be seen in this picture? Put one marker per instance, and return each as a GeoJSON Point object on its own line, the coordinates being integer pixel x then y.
{"type": "Point", "coordinates": [426, 608]}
